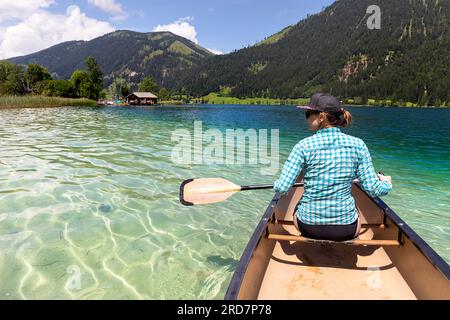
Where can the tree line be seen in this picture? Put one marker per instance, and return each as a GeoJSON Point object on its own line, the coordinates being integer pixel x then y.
{"type": "Point", "coordinates": [120, 88]}
{"type": "Point", "coordinates": [35, 79]}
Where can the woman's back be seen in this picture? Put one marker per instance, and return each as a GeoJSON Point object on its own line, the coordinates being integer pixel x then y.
{"type": "Point", "coordinates": [331, 161]}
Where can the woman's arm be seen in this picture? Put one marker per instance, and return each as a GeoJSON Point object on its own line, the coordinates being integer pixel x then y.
{"type": "Point", "coordinates": [368, 178]}
{"type": "Point", "coordinates": [291, 170]}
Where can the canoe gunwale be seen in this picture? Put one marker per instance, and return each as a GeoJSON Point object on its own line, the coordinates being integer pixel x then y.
{"type": "Point", "coordinates": [258, 234]}
{"type": "Point", "coordinates": [435, 259]}
{"type": "Point", "coordinates": [404, 230]}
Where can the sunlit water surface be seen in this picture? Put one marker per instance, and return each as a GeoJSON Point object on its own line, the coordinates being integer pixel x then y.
{"type": "Point", "coordinates": [89, 197]}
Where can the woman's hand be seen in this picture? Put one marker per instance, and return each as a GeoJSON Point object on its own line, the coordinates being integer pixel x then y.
{"type": "Point", "coordinates": [385, 178]}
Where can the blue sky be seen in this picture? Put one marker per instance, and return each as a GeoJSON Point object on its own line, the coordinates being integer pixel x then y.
{"type": "Point", "coordinates": [218, 25]}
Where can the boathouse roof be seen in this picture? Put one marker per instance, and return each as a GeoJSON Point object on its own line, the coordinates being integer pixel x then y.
{"type": "Point", "coordinates": [143, 95]}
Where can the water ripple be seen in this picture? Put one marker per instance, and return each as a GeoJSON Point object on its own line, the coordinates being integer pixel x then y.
{"type": "Point", "coordinates": [95, 190]}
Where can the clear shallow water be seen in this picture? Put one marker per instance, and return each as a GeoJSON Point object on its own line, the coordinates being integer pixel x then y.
{"type": "Point", "coordinates": [94, 192]}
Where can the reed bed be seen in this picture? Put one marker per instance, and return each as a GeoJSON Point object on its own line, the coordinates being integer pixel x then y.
{"type": "Point", "coordinates": [43, 102]}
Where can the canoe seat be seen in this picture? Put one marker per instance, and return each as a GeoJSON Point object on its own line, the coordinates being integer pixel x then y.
{"type": "Point", "coordinates": [363, 226]}
{"type": "Point", "coordinates": [354, 242]}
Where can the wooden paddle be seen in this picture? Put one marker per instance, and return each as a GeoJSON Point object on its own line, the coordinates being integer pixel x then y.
{"type": "Point", "coordinates": [212, 190]}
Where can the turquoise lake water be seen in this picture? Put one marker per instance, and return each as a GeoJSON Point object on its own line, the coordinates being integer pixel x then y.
{"type": "Point", "coordinates": [89, 196]}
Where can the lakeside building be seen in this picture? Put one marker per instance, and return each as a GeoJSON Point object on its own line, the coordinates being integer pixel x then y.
{"type": "Point", "coordinates": [142, 98]}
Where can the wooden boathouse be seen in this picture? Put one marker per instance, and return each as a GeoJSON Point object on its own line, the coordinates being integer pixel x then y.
{"type": "Point", "coordinates": [142, 98]}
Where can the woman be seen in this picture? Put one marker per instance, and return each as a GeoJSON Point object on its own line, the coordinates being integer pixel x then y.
{"type": "Point", "coordinates": [331, 161]}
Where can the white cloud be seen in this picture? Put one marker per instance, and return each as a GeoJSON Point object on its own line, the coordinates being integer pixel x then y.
{"type": "Point", "coordinates": [215, 51]}
{"type": "Point", "coordinates": [43, 29]}
{"type": "Point", "coordinates": [180, 27]}
{"type": "Point", "coordinates": [110, 6]}
{"type": "Point", "coordinates": [20, 9]}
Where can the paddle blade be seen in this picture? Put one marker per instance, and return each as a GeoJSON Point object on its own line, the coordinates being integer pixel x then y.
{"type": "Point", "coordinates": [206, 190]}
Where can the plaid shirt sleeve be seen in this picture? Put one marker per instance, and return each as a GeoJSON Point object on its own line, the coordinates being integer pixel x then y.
{"type": "Point", "coordinates": [368, 178]}
{"type": "Point", "coordinates": [291, 170]}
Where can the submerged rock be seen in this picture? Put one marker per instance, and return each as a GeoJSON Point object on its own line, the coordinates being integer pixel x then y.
{"type": "Point", "coordinates": [105, 208]}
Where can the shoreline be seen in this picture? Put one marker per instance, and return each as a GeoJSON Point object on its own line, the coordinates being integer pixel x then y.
{"type": "Point", "coordinates": [214, 98]}
{"type": "Point", "coordinates": [293, 105]}
{"type": "Point", "coordinates": [24, 102]}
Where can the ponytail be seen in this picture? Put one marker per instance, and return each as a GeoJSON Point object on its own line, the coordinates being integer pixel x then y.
{"type": "Point", "coordinates": [346, 118]}
{"type": "Point", "coordinates": [342, 118]}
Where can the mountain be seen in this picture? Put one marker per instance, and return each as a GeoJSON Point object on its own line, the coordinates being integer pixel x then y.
{"type": "Point", "coordinates": [335, 51]}
{"type": "Point", "coordinates": [125, 54]}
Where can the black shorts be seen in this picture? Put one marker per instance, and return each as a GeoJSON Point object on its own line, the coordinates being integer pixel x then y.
{"type": "Point", "coordinates": [328, 232]}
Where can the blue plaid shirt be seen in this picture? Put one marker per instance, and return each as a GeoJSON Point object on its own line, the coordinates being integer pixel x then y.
{"type": "Point", "coordinates": [332, 160]}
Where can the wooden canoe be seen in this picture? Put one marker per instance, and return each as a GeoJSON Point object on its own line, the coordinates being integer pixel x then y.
{"type": "Point", "coordinates": [387, 261]}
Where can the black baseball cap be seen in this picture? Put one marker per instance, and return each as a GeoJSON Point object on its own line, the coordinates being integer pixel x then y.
{"type": "Point", "coordinates": [323, 103]}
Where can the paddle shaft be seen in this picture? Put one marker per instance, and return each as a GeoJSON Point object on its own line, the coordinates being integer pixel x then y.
{"type": "Point", "coordinates": [264, 187]}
